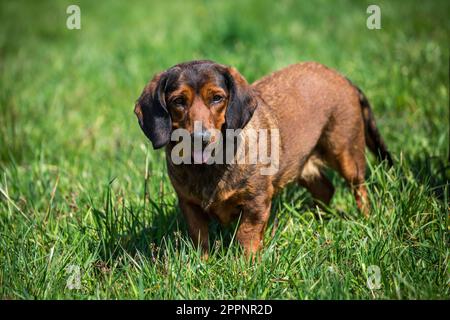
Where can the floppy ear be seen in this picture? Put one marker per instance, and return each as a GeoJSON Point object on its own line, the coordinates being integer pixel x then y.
{"type": "Point", "coordinates": [242, 102]}
{"type": "Point", "coordinates": [152, 113]}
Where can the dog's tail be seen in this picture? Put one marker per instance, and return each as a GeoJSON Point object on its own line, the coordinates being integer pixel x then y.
{"type": "Point", "coordinates": [373, 138]}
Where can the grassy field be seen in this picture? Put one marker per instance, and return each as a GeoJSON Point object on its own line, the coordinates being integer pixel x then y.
{"type": "Point", "coordinates": [81, 188]}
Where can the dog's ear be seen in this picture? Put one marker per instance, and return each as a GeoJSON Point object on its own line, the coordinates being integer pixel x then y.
{"type": "Point", "coordinates": [152, 112]}
{"type": "Point", "coordinates": [242, 102]}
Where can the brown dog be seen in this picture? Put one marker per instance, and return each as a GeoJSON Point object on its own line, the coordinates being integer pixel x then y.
{"type": "Point", "coordinates": [322, 120]}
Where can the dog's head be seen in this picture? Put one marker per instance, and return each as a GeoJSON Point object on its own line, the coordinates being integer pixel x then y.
{"type": "Point", "coordinates": [215, 95]}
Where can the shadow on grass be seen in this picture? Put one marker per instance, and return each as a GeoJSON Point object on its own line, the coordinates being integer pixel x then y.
{"type": "Point", "coordinates": [156, 228]}
{"type": "Point", "coordinates": [149, 228]}
{"type": "Point", "coordinates": [122, 227]}
{"type": "Point", "coordinates": [152, 230]}
{"type": "Point", "coordinates": [432, 171]}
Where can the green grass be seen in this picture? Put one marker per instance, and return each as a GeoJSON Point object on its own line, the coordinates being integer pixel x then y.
{"type": "Point", "coordinates": [81, 186]}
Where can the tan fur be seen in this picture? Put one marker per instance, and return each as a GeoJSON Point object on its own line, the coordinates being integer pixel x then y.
{"type": "Point", "coordinates": [319, 116]}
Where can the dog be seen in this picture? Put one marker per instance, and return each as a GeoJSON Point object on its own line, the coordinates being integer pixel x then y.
{"type": "Point", "coordinates": [322, 119]}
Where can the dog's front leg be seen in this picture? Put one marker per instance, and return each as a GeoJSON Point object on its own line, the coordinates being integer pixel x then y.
{"type": "Point", "coordinates": [197, 221]}
{"type": "Point", "coordinates": [252, 225]}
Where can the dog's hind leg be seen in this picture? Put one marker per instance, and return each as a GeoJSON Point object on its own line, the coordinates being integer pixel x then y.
{"type": "Point", "coordinates": [320, 187]}
{"type": "Point", "coordinates": [313, 179]}
{"type": "Point", "coordinates": [352, 166]}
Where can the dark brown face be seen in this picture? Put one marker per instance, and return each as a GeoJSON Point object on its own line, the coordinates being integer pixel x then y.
{"type": "Point", "coordinates": [198, 95]}
{"type": "Point", "coordinates": [204, 92]}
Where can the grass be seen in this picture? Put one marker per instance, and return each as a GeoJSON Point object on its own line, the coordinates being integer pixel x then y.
{"type": "Point", "coordinates": [80, 184]}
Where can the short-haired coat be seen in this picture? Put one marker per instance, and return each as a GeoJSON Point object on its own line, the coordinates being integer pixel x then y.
{"type": "Point", "coordinates": [322, 118]}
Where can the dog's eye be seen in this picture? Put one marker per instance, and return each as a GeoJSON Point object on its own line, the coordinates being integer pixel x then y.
{"type": "Point", "coordinates": [216, 98]}
{"type": "Point", "coordinates": [179, 101]}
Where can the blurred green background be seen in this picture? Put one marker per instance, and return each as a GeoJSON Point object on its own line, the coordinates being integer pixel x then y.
{"type": "Point", "coordinates": [72, 153]}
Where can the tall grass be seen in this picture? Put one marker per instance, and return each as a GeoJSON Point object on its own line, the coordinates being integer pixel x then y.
{"type": "Point", "coordinates": [80, 185]}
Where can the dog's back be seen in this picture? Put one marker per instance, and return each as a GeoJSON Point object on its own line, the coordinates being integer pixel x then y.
{"type": "Point", "coordinates": [321, 117]}
{"type": "Point", "coordinates": [308, 100]}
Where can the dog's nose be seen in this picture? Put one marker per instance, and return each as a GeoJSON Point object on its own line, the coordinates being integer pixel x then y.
{"type": "Point", "coordinates": [203, 135]}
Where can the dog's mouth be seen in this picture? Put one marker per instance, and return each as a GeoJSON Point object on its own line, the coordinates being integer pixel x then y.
{"type": "Point", "coordinates": [200, 156]}
{"type": "Point", "coordinates": [202, 153]}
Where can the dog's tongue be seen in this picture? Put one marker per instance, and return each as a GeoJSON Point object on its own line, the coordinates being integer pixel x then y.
{"type": "Point", "coordinates": [199, 156]}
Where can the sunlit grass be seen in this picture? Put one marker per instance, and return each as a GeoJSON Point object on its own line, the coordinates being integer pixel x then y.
{"type": "Point", "coordinates": [81, 186]}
